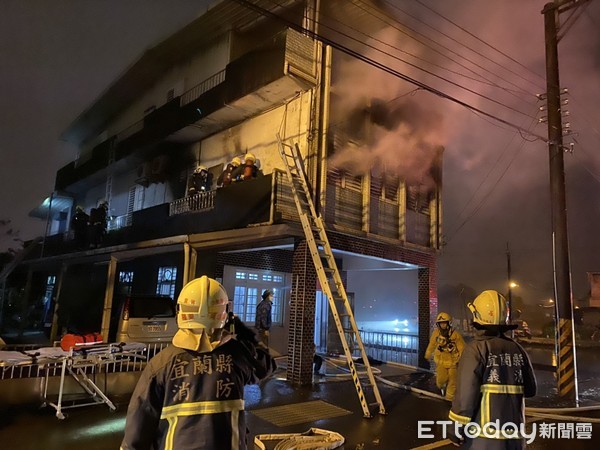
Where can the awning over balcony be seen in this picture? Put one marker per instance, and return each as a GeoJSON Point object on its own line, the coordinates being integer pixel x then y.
{"type": "Point", "coordinates": [56, 203]}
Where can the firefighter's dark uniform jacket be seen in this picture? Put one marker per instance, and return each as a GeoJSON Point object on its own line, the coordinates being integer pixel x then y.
{"type": "Point", "coordinates": [494, 376]}
{"type": "Point", "coordinates": [187, 400]}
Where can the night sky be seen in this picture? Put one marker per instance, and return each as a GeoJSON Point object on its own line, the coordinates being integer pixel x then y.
{"type": "Point", "coordinates": [57, 57]}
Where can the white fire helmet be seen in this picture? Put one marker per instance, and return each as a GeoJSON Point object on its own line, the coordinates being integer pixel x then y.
{"type": "Point", "coordinates": [202, 303]}
{"type": "Point", "coordinates": [490, 308]}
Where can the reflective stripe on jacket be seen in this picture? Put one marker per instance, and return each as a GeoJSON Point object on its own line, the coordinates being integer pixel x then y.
{"type": "Point", "coordinates": [193, 401]}
{"type": "Point", "coordinates": [494, 376]}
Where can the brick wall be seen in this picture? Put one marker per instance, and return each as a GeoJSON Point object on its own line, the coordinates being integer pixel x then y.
{"type": "Point", "coordinates": [278, 260]}
{"type": "Point", "coordinates": [302, 316]}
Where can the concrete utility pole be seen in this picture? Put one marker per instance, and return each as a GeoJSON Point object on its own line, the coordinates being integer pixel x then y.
{"type": "Point", "coordinates": [566, 357]}
{"type": "Point", "coordinates": [509, 281]}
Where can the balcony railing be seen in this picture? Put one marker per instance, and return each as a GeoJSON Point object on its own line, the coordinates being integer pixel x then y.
{"type": "Point", "coordinates": [391, 347]}
{"type": "Point", "coordinates": [202, 87]}
{"type": "Point", "coordinates": [119, 222]}
{"type": "Point", "coordinates": [204, 201]}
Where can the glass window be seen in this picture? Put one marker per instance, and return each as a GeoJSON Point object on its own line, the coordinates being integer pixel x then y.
{"type": "Point", "coordinates": [247, 294]}
{"type": "Point", "coordinates": [125, 283]}
{"type": "Point", "coordinates": [165, 285]}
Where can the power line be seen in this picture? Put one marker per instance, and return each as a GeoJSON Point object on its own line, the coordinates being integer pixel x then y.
{"type": "Point", "coordinates": [488, 81]}
{"type": "Point", "coordinates": [381, 66]}
{"type": "Point", "coordinates": [485, 43]}
{"type": "Point", "coordinates": [486, 196]}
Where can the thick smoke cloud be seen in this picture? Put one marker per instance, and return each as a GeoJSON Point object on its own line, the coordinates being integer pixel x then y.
{"type": "Point", "coordinates": [496, 179]}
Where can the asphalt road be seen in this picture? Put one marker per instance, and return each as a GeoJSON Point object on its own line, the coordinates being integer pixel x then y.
{"type": "Point", "coordinates": [96, 428]}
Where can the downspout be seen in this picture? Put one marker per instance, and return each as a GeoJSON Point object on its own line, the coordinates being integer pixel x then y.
{"type": "Point", "coordinates": [326, 89]}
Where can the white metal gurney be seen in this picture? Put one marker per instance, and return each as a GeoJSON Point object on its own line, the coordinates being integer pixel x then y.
{"type": "Point", "coordinates": [74, 363]}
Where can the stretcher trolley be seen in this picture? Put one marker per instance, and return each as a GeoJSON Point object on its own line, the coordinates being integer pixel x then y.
{"type": "Point", "coordinates": [79, 362]}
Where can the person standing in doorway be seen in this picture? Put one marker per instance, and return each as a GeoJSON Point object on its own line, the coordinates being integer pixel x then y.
{"type": "Point", "coordinates": [445, 345]}
{"type": "Point", "coordinates": [263, 317]}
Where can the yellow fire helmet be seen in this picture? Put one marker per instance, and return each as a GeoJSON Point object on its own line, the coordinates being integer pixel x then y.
{"type": "Point", "coordinates": [250, 157]}
{"type": "Point", "coordinates": [202, 303]}
{"type": "Point", "coordinates": [490, 308]}
{"type": "Point", "coordinates": [443, 317]}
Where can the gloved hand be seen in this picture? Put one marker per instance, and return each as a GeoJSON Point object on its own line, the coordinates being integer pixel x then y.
{"type": "Point", "coordinates": [242, 332]}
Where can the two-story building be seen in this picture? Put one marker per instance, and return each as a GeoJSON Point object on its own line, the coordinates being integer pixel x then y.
{"type": "Point", "coordinates": [223, 87]}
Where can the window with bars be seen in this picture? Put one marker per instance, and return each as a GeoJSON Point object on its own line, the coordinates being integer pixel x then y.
{"type": "Point", "coordinates": [165, 285]}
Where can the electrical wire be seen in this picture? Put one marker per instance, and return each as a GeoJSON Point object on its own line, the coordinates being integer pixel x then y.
{"type": "Point", "coordinates": [485, 43]}
{"type": "Point", "coordinates": [484, 80]}
{"type": "Point", "coordinates": [436, 42]}
{"type": "Point", "coordinates": [489, 192]}
{"type": "Point", "coordinates": [381, 66]}
{"type": "Point", "coordinates": [471, 91]}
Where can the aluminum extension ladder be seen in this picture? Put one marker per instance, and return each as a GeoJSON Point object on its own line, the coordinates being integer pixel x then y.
{"type": "Point", "coordinates": [329, 276]}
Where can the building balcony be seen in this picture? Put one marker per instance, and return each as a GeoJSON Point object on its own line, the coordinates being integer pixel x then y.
{"type": "Point", "coordinates": [249, 85]}
{"type": "Point", "coordinates": [266, 200]}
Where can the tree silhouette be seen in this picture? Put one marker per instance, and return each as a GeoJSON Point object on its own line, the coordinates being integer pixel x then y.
{"type": "Point", "coordinates": [9, 236]}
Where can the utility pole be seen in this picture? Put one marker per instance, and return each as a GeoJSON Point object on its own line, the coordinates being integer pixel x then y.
{"type": "Point", "coordinates": [566, 357]}
{"type": "Point", "coordinates": [509, 280]}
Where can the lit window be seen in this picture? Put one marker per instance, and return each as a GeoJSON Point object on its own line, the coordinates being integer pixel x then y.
{"type": "Point", "coordinates": [125, 282]}
{"type": "Point", "coordinates": [165, 285]}
{"type": "Point", "coordinates": [247, 293]}
{"type": "Point", "coordinates": [251, 302]}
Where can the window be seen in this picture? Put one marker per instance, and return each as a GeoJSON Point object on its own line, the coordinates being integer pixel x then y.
{"type": "Point", "coordinates": [165, 284]}
{"type": "Point", "coordinates": [125, 283]}
{"type": "Point", "coordinates": [50, 284]}
{"type": "Point", "coordinates": [248, 287]}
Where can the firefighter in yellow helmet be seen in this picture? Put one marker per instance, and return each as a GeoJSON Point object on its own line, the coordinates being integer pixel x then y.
{"type": "Point", "coordinates": [191, 394]}
{"type": "Point", "coordinates": [445, 345]}
{"type": "Point", "coordinates": [494, 376]}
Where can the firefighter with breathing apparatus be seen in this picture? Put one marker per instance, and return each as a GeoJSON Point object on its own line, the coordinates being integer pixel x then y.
{"type": "Point", "coordinates": [445, 345]}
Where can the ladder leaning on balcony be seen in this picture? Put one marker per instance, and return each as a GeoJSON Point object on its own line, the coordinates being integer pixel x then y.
{"type": "Point", "coordinates": [328, 274]}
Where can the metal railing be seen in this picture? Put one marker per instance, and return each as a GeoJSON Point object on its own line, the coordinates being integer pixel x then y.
{"type": "Point", "coordinates": [391, 347]}
{"type": "Point", "coordinates": [195, 92]}
{"type": "Point", "coordinates": [119, 222]}
{"type": "Point", "coordinates": [203, 201]}
{"type": "Point", "coordinates": [51, 369]}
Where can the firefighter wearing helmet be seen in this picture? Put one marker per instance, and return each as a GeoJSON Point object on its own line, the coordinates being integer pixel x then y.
{"type": "Point", "coordinates": [191, 394]}
{"type": "Point", "coordinates": [200, 181]}
{"type": "Point", "coordinates": [248, 170]}
{"type": "Point", "coordinates": [494, 376]}
{"type": "Point", "coordinates": [227, 176]}
{"type": "Point", "coordinates": [445, 345]}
